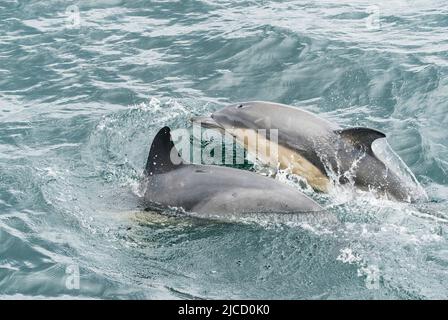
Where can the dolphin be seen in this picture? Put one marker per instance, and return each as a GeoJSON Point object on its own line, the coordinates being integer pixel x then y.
{"type": "Point", "coordinates": [316, 149]}
{"type": "Point", "coordinates": [214, 190]}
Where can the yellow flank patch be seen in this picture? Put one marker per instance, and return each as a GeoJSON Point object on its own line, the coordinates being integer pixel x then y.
{"type": "Point", "coordinates": [290, 159]}
{"type": "Point", "coordinates": [273, 154]}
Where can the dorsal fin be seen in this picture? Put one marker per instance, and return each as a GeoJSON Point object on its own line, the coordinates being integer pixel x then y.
{"type": "Point", "coordinates": [361, 137]}
{"type": "Point", "coordinates": [163, 156]}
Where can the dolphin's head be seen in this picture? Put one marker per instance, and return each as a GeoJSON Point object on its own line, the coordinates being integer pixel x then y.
{"type": "Point", "coordinates": [235, 116]}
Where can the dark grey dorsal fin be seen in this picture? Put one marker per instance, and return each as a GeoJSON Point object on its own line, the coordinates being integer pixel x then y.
{"type": "Point", "coordinates": [361, 137]}
{"type": "Point", "coordinates": [163, 156]}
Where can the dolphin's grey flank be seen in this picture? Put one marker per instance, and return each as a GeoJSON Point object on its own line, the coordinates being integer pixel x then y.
{"type": "Point", "coordinates": [315, 148]}
{"type": "Point", "coordinates": [212, 190]}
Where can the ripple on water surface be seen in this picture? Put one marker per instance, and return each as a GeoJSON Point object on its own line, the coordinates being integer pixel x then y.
{"type": "Point", "coordinates": [80, 105]}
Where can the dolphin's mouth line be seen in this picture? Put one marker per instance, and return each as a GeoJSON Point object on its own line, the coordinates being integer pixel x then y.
{"type": "Point", "coordinates": [206, 122]}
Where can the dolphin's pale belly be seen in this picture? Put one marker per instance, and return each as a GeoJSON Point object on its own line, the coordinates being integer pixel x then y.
{"type": "Point", "coordinates": [292, 160]}
{"type": "Point", "coordinates": [276, 155]}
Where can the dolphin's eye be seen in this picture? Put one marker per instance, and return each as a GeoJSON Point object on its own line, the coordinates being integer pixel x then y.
{"type": "Point", "coordinates": [240, 106]}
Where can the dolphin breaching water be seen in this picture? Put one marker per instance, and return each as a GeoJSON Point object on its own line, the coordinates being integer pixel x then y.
{"type": "Point", "coordinates": [209, 190]}
{"type": "Point", "coordinates": [318, 150]}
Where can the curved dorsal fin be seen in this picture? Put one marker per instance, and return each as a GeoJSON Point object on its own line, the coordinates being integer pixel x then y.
{"type": "Point", "coordinates": [163, 156]}
{"type": "Point", "coordinates": [361, 137]}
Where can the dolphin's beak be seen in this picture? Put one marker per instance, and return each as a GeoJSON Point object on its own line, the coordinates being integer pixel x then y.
{"type": "Point", "coordinates": [206, 122]}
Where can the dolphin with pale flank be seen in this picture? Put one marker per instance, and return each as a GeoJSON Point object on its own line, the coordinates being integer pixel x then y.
{"type": "Point", "coordinates": [314, 148]}
{"type": "Point", "coordinates": [210, 190]}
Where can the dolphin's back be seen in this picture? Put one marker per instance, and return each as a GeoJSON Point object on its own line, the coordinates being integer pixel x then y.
{"type": "Point", "coordinates": [211, 189]}
{"type": "Point", "coordinates": [293, 120]}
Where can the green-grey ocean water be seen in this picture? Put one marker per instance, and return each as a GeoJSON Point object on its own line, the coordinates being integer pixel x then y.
{"type": "Point", "coordinates": [85, 85]}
